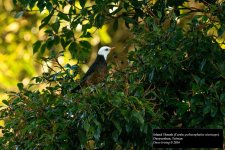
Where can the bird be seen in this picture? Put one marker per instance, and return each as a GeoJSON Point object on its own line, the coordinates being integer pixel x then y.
{"type": "Point", "coordinates": [97, 71]}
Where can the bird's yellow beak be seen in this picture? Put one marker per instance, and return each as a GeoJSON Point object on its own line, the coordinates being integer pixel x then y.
{"type": "Point", "coordinates": [112, 48]}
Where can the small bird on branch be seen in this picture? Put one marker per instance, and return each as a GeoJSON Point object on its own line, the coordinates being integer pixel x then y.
{"type": "Point", "coordinates": [97, 71]}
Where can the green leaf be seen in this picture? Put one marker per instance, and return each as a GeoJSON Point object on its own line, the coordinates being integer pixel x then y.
{"type": "Point", "coordinates": [99, 20]}
{"type": "Point", "coordinates": [206, 109]}
{"type": "Point", "coordinates": [20, 86]}
{"type": "Point", "coordinates": [68, 33]}
{"type": "Point", "coordinates": [15, 2]}
{"type": "Point", "coordinates": [144, 128]}
{"type": "Point", "coordinates": [86, 126]}
{"type": "Point", "coordinates": [41, 5]}
{"type": "Point", "coordinates": [159, 13]}
{"type": "Point", "coordinates": [49, 32]}
{"type": "Point", "coordinates": [220, 31]}
{"type": "Point", "coordinates": [214, 111]}
{"type": "Point", "coordinates": [82, 137]}
{"type": "Point", "coordinates": [202, 64]}
{"type": "Point", "coordinates": [117, 125]}
{"type": "Point", "coordinates": [126, 5]}
{"type": "Point", "coordinates": [151, 75]}
{"type": "Point", "coordinates": [56, 26]}
{"type": "Point", "coordinates": [138, 116]}
{"type": "Point", "coordinates": [95, 8]}
{"type": "Point", "coordinates": [67, 66]}
{"type": "Point", "coordinates": [99, 2]}
{"type": "Point", "coordinates": [49, 6]}
{"type": "Point", "coordinates": [117, 101]}
{"type": "Point", "coordinates": [97, 133]}
{"type": "Point", "coordinates": [196, 120]}
{"type": "Point", "coordinates": [73, 49]}
{"type": "Point", "coordinates": [50, 42]}
{"type": "Point", "coordinates": [86, 35]}
{"type": "Point", "coordinates": [43, 48]}
{"type": "Point", "coordinates": [205, 19]}
{"type": "Point", "coordinates": [85, 44]}
{"type": "Point", "coordinates": [5, 102]}
{"type": "Point", "coordinates": [36, 46]}
{"type": "Point", "coordinates": [197, 79]}
{"type": "Point", "coordinates": [222, 109]}
{"type": "Point", "coordinates": [82, 3]}
{"type": "Point", "coordinates": [63, 16]}
{"type": "Point", "coordinates": [86, 27]}
{"type": "Point", "coordinates": [19, 14]}
{"type": "Point", "coordinates": [222, 97]}
{"type": "Point", "coordinates": [128, 127]}
{"type": "Point", "coordinates": [115, 135]}
{"type": "Point", "coordinates": [32, 4]}
{"type": "Point", "coordinates": [64, 43]}
{"type": "Point", "coordinates": [46, 20]}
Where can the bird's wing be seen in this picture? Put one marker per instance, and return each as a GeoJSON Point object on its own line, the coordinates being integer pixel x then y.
{"type": "Point", "coordinates": [95, 74]}
{"type": "Point", "coordinates": [93, 68]}
{"type": "Point", "coordinates": [86, 77]}
{"type": "Point", "coordinates": [90, 71]}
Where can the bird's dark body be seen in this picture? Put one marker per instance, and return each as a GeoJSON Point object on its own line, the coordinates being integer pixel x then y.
{"type": "Point", "coordinates": [95, 74]}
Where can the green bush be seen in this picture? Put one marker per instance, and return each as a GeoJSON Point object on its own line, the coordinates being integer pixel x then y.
{"type": "Point", "coordinates": [186, 72]}
{"type": "Point", "coordinates": [100, 117]}
{"type": "Point", "coordinates": [174, 79]}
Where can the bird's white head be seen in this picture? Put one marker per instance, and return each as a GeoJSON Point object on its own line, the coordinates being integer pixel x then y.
{"type": "Point", "coordinates": [104, 51]}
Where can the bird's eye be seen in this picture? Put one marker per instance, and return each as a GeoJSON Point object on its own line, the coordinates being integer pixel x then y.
{"type": "Point", "coordinates": [107, 49]}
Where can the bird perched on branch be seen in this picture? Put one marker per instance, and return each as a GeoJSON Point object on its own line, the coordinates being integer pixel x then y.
{"type": "Point", "coordinates": [98, 70]}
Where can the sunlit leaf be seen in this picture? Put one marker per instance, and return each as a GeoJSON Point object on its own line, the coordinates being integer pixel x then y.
{"type": "Point", "coordinates": [46, 20]}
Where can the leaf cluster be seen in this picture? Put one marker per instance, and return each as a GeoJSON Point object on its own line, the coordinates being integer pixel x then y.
{"type": "Point", "coordinates": [94, 118]}
{"type": "Point", "coordinates": [185, 71]}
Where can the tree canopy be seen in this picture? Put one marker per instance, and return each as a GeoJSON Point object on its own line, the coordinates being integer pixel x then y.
{"type": "Point", "coordinates": [174, 74]}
